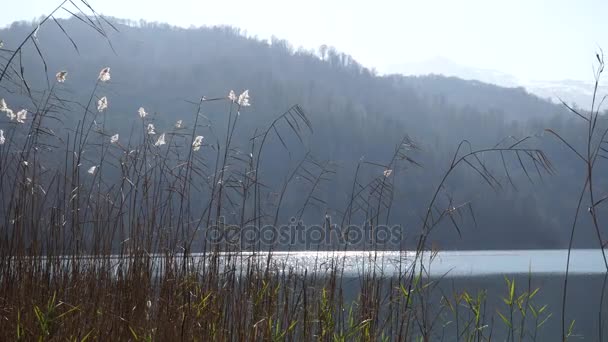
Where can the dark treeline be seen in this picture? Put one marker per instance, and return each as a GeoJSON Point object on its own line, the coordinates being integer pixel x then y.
{"type": "Point", "coordinates": [356, 116]}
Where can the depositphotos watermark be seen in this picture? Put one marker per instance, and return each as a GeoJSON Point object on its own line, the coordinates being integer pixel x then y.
{"type": "Point", "coordinates": [299, 234]}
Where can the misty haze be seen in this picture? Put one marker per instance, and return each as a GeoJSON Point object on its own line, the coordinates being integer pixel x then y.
{"type": "Point", "coordinates": [273, 171]}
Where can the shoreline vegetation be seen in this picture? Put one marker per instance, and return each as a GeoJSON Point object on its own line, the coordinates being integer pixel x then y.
{"type": "Point", "coordinates": [97, 194]}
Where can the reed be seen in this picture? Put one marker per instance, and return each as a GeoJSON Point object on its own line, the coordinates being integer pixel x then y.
{"type": "Point", "coordinates": [107, 236]}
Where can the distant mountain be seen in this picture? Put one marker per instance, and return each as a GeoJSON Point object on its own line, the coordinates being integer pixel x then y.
{"type": "Point", "coordinates": [575, 92]}
{"type": "Point", "coordinates": [449, 68]}
{"type": "Point", "coordinates": [514, 103]}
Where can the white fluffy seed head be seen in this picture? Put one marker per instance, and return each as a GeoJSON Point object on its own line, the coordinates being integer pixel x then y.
{"type": "Point", "coordinates": [142, 112]}
{"type": "Point", "coordinates": [243, 100]}
{"type": "Point", "coordinates": [150, 129]}
{"type": "Point", "coordinates": [10, 114]}
{"type": "Point", "coordinates": [3, 106]}
{"type": "Point", "coordinates": [197, 143]}
{"type": "Point", "coordinates": [102, 104]}
{"type": "Point", "coordinates": [232, 96]}
{"type": "Point", "coordinates": [160, 141]}
{"type": "Point", "coordinates": [61, 76]}
{"type": "Point", "coordinates": [104, 74]}
{"type": "Point", "coordinates": [21, 116]}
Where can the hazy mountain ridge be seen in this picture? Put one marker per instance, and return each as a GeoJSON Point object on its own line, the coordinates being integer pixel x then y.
{"type": "Point", "coordinates": [180, 46]}
{"type": "Point", "coordinates": [513, 103]}
{"type": "Point", "coordinates": [573, 92]}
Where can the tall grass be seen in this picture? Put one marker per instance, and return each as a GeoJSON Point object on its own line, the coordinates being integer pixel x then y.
{"type": "Point", "coordinates": [594, 149]}
{"type": "Point", "coordinates": [106, 237]}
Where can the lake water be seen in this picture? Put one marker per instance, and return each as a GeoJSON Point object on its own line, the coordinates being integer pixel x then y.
{"type": "Point", "coordinates": [476, 271]}
{"type": "Point", "coordinates": [449, 263]}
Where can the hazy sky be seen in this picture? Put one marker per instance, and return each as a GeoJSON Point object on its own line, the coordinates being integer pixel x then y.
{"type": "Point", "coordinates": [529, 39]}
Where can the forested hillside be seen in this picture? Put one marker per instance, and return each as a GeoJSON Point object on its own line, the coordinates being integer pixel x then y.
{"type": "Point", "coordinates": [356, 115]}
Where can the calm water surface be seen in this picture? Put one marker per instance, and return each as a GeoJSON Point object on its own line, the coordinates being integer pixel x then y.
{"type": "Point", "coordinates": [450, 263]}
{"type": "Point", "coordinates": [476, 271]}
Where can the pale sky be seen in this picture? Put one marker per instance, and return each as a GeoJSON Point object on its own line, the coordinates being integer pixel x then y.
{"type": "Point", "coordinates": [529, 39]}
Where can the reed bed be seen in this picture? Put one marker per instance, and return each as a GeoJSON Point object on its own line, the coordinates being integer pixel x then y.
{"type": "Point", "coordinates": [106, 237]}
